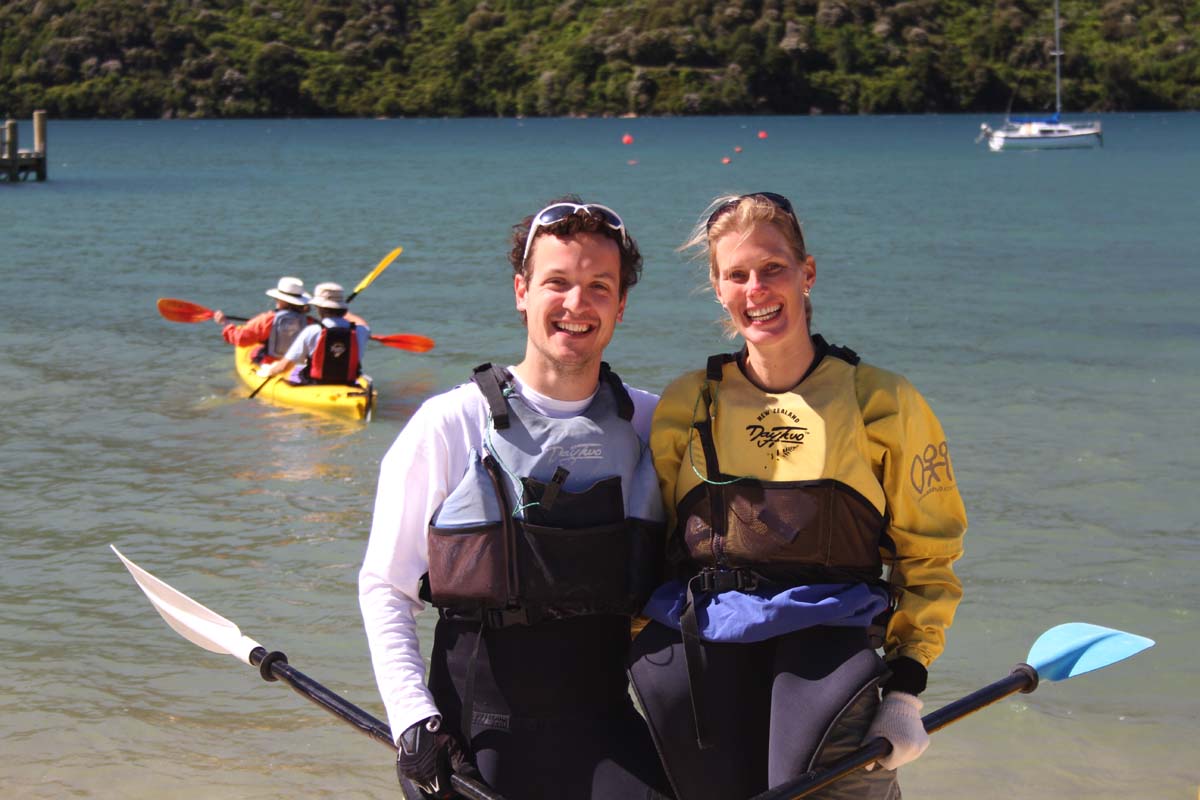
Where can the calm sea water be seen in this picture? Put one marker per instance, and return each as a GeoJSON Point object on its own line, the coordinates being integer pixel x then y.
{"type": "Point", "coordinates": [1043, 302]}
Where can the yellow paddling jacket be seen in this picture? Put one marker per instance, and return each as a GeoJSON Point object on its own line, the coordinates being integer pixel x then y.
{"type": "Point", "coordinates": [831, 481]}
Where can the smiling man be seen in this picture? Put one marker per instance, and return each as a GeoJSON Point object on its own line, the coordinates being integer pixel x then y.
{"type": "Point", "coordinates": [524, 506]}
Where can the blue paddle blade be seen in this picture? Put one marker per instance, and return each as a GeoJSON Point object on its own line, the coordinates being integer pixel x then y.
{"type": "Point", "coordinates": [1072, 649]}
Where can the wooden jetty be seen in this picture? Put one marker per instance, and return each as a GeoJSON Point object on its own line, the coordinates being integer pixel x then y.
{"type": "Point", "coordinates": [17, 164]}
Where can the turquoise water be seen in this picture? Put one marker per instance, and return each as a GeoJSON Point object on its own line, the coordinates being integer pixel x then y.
{"type": "Point", "coordinates": [1043, 302]}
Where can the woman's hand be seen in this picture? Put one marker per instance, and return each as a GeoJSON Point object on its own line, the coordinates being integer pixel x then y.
{"type": "Point", "coordinates": [899, 721]}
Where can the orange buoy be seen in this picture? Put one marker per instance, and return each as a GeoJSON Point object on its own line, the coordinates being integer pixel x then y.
{"type": "Point", "coordinates": [627, 139]}
{"type": "Point", "coordinates": [726, 160]}
{"type": "Point", "coordinates": [737, 149]}
{"type": "Point", "coordinates": [762, 134]}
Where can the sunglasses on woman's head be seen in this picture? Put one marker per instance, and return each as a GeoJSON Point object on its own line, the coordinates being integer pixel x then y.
{"type": "Point", "coordinates": [777, 200]}
{"type": "Point", "coordinates": [557, 212]}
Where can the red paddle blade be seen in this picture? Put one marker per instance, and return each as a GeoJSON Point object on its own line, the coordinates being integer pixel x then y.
{"type": "Point", "coordinates": [406, 341]}
{"type": "Point", "coordinates": [183, 311]}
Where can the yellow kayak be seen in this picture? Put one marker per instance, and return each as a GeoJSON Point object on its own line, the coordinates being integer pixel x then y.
{"type": "Point", "coordinates": [355, 402]}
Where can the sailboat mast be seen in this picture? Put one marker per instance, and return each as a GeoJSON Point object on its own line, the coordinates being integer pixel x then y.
{"type": "Point", "coordinates": [1057, 66]}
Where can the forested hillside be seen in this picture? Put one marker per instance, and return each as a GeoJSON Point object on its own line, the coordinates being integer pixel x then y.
{"type": "Point", "coordinates": [227, 58]}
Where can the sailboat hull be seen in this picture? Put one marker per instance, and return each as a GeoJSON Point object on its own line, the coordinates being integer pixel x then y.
{"type": "Point", "coordinates": [1040, 136]}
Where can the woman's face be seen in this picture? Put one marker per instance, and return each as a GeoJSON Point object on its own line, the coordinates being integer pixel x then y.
{"type": "Point", "coordinates": [762, 284]}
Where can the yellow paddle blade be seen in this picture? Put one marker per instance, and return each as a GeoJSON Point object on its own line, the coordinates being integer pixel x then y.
{"type": "Point", "coordinates": [367, 281]}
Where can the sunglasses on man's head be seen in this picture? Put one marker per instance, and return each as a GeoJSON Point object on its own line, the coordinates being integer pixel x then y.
{"type": "Point", "coordinates": [778, 200]}
{"type": "Point", "coordinates": [557, 212]}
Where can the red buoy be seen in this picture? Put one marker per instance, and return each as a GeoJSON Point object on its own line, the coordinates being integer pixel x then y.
{"type": "Point", "coordinates": [627, 139]}
{"type": "Point", "coordinates": [726, 160]}
{"type": "Point", "coordinates": [762, 134]}
{"type": "Point", "coordinates": [737, 149]}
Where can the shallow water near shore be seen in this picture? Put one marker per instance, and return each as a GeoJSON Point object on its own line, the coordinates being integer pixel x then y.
{"type": "Point", "coordinates": [1044, 303]}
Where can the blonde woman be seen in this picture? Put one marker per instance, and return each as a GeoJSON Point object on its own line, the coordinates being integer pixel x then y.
{"type": "Point", "coordinates": [813, 518]}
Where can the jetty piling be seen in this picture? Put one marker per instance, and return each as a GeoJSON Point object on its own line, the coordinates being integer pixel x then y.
{"type": "Point", "coordinates": [17, 164]}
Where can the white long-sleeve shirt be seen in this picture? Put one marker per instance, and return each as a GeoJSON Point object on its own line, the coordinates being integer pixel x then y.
{"type": "Point", "coordinates": [426, 462]}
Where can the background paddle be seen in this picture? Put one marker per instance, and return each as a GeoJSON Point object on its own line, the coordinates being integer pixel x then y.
{"type": "Point", "coordinates": [412, 342]}
{"type": "Point", "coordinates": [1062, 652]}
{"type": "Point", "coordinates": [176, 310]}
{"type": "Point", "coordinates": [373, 274]}
{"type": "Point", "coordinates": [205, 628]}
{"type": "Point", "coordinates": [263, 385]}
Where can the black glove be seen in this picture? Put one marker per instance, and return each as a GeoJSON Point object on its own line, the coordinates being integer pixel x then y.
{"type": "Point", "coordinates": [424, 757]}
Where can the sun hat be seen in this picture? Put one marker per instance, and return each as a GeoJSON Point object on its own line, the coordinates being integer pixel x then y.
{"type": "Point", "coordinates": [329, 295]}
{"type": "Point", "coordinates": [290, 290]}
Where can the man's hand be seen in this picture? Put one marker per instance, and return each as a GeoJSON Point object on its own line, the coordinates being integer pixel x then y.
{"type": "Point", "coordinates": [899, 721]}
{"type": "Point", "coordinates": [219, 317]}
{"type": "Point", "coordinates": [425, 755]}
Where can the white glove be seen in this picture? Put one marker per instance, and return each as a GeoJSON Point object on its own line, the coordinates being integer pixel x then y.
{"type": "Point", "coordinates": [899, 721]}
{"type": "Point", "coordinates": [264, 371]}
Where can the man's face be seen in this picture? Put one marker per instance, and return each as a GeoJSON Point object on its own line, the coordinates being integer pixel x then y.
{"type": "Point", "coordinates": [571, 299]}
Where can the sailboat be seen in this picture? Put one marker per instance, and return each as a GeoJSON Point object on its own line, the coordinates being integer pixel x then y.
{"type": "Point", "coordinates": [1044, 133]}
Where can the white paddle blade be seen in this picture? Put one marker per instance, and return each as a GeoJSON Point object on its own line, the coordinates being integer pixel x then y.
{"type": "Point", "coordinates": [199, 625]}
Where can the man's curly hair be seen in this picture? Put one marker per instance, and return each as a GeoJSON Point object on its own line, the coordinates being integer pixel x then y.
{"type": "Point", "coordinates": [577, 222]}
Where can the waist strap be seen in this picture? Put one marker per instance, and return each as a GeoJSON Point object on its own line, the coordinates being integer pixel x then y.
{"type": "Point", "coordinates": [498, 617]}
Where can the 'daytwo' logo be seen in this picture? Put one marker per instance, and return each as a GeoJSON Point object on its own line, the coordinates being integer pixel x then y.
{"type": "Point", "coordinates": [583, 451]}
{"type": "Point", "coordinates": [778, 430]}
{"type": "Point", "coordinates": [930, 470]}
